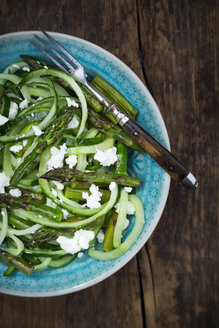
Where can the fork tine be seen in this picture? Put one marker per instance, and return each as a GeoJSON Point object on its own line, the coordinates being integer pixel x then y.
{"type": "Point", "coordinates": [50, 57]}
{"type": "Point", "coordinates": [62, 49]}
{"type": "Point", "coordinates": [56, 53]}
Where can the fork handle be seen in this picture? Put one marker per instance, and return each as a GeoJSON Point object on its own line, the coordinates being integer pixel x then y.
{"type": "Point", "coordinates": [159, 153]}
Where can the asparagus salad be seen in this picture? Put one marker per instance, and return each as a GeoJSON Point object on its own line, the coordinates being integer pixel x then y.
{"type": "Point", "coordinates": [64, 186]}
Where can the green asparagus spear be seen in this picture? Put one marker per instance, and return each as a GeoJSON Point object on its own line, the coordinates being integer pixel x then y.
{"type": "Point", "coordinates": [51, 134]}
{"type": "Point", "coordinates": [17, 262]}
{"type": "Point", "coordinates": [30, 205]}
{"type": "Point", "coordinates": [68, 175]}
{"type": "Point", "coordinates": [110, 130]}
{"type": "Point", "coordinates": [42, 236]}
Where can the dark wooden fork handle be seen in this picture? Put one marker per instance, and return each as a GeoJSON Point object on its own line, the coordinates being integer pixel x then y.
{"type": "Point", "coordinates": [160, 154]}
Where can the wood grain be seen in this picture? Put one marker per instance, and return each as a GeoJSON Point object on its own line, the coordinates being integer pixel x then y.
{"type": "Point", "coordinates": [172, 45]}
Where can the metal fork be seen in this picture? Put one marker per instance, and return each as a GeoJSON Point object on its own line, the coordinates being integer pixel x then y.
{"type": "Point", "coordinates": [160, 154]}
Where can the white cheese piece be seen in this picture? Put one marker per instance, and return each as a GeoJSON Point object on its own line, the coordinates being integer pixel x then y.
{"type": "Point", "coordinates": [93, 200]}
{"type": "Point", "coordinates": [80, 254]}
{"type": "Point", "coordinates": [15, 192]}
{"type": "Point", "coordinates": [112, 186]}
{"type": "Point", "coordinates": [24, 104]}
{"type": "Point", "coordinates": [71, 161]}
{"type": "Point", "coordinates": [54, 192]}
{"type": "Point", "coordinates": [65, 213]}
{"type": "Point", "coordinates": [37, 130]}
{"type": "Point", "coordinates": [26, 69]}
{"type": "Point", "coordinates": [130, 208]}
{"type": "Point", "coordinates": [59, 185]}
{"type": "Point", "coordinates": [4, 182]}
{"type": "Point", "coordinates": [13, 110]}
{"type": "Point", "coordinates": [45, 66]}
{"type": "Point", "coordinates": [15, 66]}
{"type": "Point", "coordinates": [107, 157]}
{"type": "Point", "coordinates": [25, 141]}
{"type": "Point", "coordinates": [71, 102]}
{"type": "Point", "coordinates": [39, 98]}
{"type": "Point", "coordinates": [16, 148]}
{"type": "Point", "coordinates": [126, 223]}
{"type": "Point", "coordinates": [3, 119]}
{"type": "Point", "coordinates": [79, 242]}
{"type": "Point", "coordinates": [100, 236]}
{"type": "Point", "coordinates": [128, 189]}
{"type": "Point", "coordinates": [56, 160]}
{"type": "Point", "coordinates": [73, 124]}
{"type": "Point", "coordinates": [32, 114]}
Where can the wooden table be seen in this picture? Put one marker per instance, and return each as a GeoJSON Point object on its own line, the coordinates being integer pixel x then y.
{"type": "Point", "coordinates": [172, 46]}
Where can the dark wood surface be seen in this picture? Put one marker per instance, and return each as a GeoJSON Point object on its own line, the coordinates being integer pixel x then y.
{"type": "Point", "coordinates": [172, 46]}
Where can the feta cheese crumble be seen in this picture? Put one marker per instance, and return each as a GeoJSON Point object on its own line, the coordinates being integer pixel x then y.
{"type": "Point", "coordinates": [4, 182]}
{"type": "Point", "coordinates": [16, 148]}
{"type": "Point", "coordinates": [56, 160]}
{"type": "Point", "coordinates": [40, 98]}
{"type": "Point", "coordinates": [25, 141]}
{"type": "Point", "coordinates": [128, 189]}
{"type": "Point", "coordinates": [93, 200]}
{"type": "Point", "coordinates": [15, 66]}
{"type": "Point", "coordinates": [71, 102]}
{"type": "Point", "coordinates": [107, 157]}
{"type": "Point", "coordinates": [80, 254]}
{"type": "Point", "coordinates": [3, 119]}
{"type": "Point", "coordinates": [100, 236]}
{"type": "Point", "coordinates": [112, 186]}
{"type": "Point", "coordinates": [79, 242]}
{"type": "Point", "coordinates": [13, 110]}
{"type": "Point", "coordinates": [126, 223]}
{"type": "Point", "coordinates": [26, 69]}
{"type": "Point", "coordinates": [24, 104]}
{"type": "Point", "coordinates": [59, 185]}
{"type": "Point", "coordinates": [71, 161]}
{"type": "Point", "coordinates": [15, 192]}
{"type": "Point", "coordinates": [45, 66]}
{"type": "Point", "coordinates": [130, 208]}
{"type": "Point", "coordinates": [73, 124]}
{"type": "Point", "coordinates": [65, 213]}
{"type": "Point", "coordinates": [37, 130]}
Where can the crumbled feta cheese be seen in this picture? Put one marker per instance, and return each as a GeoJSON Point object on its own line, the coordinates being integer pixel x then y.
{"type": "Point", "coordinates": [107, 157]}
{"type": "Point", "coordinates": [4, 182]}
{"type": "Point", "coordinates": [56, 160]}
{"type": "Point", "coordinates": [26, 69]}
{"type": "Point", "coordinates": [54, 192]}
{"type": "Point", "coordinates": [3, 119]}
{"type": "Point", "coordinates": [15, 66]}
{"type": "Point", "coordinates": [79, 242]}
{"type": "Point", "coordinates": [37, 130]}
{"type": "Point", "coordinates": [80, 254]}
{"type": "Point", "coordinates": [59, 185]}
{"type": "Point", "coordinates": [93, 200]}
{"type": "Point", "coordinates": [16, 148]}
{"type": "Point", "coordinates": [126, 223]}
{"type": "Point", "coordinates": [71, 102]}
{"type": "Point", "coordinates": [130, 208]}
{"type": "Point", "coordinates": [32, 114]}
{"type": "Point", "coordinates": [39, 98]}
{"type": "Point", "coordinates": [65, 213]}
{"type": "Point", "coordinates": [25, 141]}
{"type": "Point", "coordinates": [112, 186]}
{"type": "Point", "coordinates": [71, 161]}
{"type": "Point", "coordinates": [15, 192]}
{"type": "Point", "coordinates": [73, 124]}
{"type": "Point", "coordinates": [45, 66]}
{"type": "Point", "coordinates": [13, 110]}
{"type": "Point", "coordinates": [128, 189]}
{"type": "Point", "coordinates": [100, 236]}
{"type": "Point", "coordinates": [24, 104]}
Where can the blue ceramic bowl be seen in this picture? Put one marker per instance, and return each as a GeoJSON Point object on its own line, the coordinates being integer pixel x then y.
{"type": "Point", "coordinates": [85, 271]}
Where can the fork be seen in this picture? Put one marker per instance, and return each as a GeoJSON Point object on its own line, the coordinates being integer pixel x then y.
{"type": "Point", "coordinates": [159, 153]}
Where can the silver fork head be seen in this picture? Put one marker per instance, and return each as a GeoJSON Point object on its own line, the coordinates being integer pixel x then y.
{"type": "Point", "coordinates": [78, 72]}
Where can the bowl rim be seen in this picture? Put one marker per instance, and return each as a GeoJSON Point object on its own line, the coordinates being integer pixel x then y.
{"type": "Point", "coordinates": [166, 178]}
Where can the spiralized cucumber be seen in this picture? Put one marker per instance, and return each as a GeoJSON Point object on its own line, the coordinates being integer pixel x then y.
{"type": "Point", "coordinates": [43, 127]}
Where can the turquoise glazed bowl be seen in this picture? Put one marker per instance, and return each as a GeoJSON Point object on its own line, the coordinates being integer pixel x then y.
{"type": "Point", "coordinates": [85, 271]}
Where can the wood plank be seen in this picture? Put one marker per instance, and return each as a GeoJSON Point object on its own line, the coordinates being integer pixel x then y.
{"type": "Point", "coordinates": [179, 56]}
